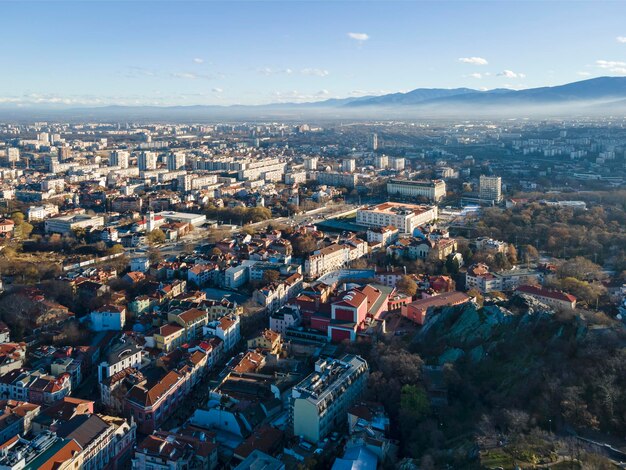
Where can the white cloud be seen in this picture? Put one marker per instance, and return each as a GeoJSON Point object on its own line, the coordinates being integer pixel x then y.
{"type": "Point", "coordinates": [584, 74]}
{"type": "Point", "coordinates": [361, 37]}
{"type": "Point", "coordinates": [185, 75]}
{"type": "Point", "coordinates": [194, 76]}
{"type": "Point", "coordinates": [198, 60]}
{"type": "Point", "coordinates": [621, 39]}
{"type": "Point", "coordinates": [473, 60]}
{"type": "Point", "coordinates": [511, 74]}
{"type": "Point", "coordinates": [217, 90]}
{"type": "Point", "coordinates": [613, 66]}
{"type": "Point", "coordinates": [315, 72]}
{"type": "Point", "coordinates": [475, 75]}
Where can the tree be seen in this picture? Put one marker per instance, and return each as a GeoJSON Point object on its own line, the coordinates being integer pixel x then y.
{"type": "Point", "coordinates": [407, 285]}
{"type": "Point", "coordinates": [511, 254]}
{"type": "Point", "coordinates": [530, 253]}
{"type": "Point", "coordinates": [270, 276]}
{"type": "Point", "coordinates": [115, 249]}
{"type": "Point", "coordinates": [580, 268]}
{"type": "Point", "coordinates": [453, 265]}
{"type": "Point", "coordinates": [17, 217]}
{"type": "Point", "coordinates": [588, 292]}
{"type": "Point", "coordinates": [303, 245]}
{"type": "Point", "coordinates": [156, 236]}
{"type": "Point", "coordinates": [154, 256]}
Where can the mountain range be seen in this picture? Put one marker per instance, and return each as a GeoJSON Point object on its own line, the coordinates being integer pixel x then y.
{"type": "Point", "coordinates": [602, 96]}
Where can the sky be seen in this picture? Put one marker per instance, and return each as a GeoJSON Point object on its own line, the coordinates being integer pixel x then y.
{"type": "Point", "coordinates": [84, 53]}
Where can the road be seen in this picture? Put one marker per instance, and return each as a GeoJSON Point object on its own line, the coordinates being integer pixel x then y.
{"type": "Point", "coordinates": [198, 235]}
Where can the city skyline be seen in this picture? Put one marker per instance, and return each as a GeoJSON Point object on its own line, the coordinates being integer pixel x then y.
{"type": "Point", "coordinates": [214, 53]}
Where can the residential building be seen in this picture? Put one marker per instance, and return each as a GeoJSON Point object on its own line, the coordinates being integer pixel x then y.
{"type": "Point", "coordinates": [164, 450]}
{"type": "Point", "coordinates": [418, 310]}
{"type": "Point", "coordinates": [169, 337]}
{"type": "Point", "coordinates": [227, 328]}
{"type": "Point", "coordinates": [176, 161]}
{"type": "Point", "coordinates": [287, 316]}
{"type": "Point", "coordinates": [147, 161]}
{"type": "Point", "coordinates": [123, 354]}
{"type": "Point", "coordinates": [44, 451]}
{"type": "Point", "coordinates": [490, 188]}
{"type": "Point", "coordinates": [268, 340]}
{"type": "Point", "coordinates": [320, 403]}
{"type": "Point", "coordinates": [37, 213]}
{"type": "Point", "coordinates": [553, 298]}
{"type": "Point", "coordinates": [108, 318]}
{"type": "Point", "coordinates": [382, 236]}
{"type": "Point", "coordinates": [119, 158]}
{"type": "Point", "coordinates": [16, 418]}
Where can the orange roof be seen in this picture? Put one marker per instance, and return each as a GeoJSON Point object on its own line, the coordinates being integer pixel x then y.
{"type": "Point", "coordinates": [192, 315]}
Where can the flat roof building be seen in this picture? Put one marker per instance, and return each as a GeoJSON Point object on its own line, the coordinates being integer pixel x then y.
{"type": "Point", "coordinates": [321, 401]}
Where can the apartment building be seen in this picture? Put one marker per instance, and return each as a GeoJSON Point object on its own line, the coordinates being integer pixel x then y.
{"type": "Point", "coordinates": [490, 188]}
{"type": "Point", "coordinates": [341, 180]}
{"type": "Point", "coordinates": [417, 311]}
{"type": "Point", "coordinates": [554, 298]}
{"type": "Point", "coordinates": [123, 354]}
{"type": "Point", "coordinates": [327, 259]}
{"type": "Point", "coordinates": [108, 318]}
{"type": "Point", "coordinates": [320, 403]}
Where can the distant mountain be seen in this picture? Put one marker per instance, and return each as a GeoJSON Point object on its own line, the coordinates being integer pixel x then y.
{"type": "Point", "coordinates": [592, 90]}
{"type": "Point", "coordinates": [417, 96]}
{"type": "Point", "coordinates": [594, 97]}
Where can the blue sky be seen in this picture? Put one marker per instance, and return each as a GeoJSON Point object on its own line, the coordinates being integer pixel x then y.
{"type": "Point", "coordinates": [176, 52]}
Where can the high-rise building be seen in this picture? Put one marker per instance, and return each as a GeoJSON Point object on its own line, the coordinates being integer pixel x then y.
{"type": "Point", "coordinates": [43, 137]}
{"type": "Point", "coordinates": [321, 401]}
{"type": "Point", "coordinates": [13, 154]}
{"type": "Point", "coordinates": [64, 152]}
{"type": "Point", "coordinates": [490, 188]}
{"type": "Point", "coordinates": [381, 162]}
{"type": "Point", "coordinates": [147, 161]}
{"type": "Point", "coordinates": [310, 163]}
{"type": "Point", "coordinates": [119, 158]}
{"type": "Point", "coordinates": [175, 161]}
{"type": "Point", "coordinates": [397, 163]}
{"type": "Point", "coordinates": [348, 164]}
{"type": "Point", "coordinates": [373, 141]}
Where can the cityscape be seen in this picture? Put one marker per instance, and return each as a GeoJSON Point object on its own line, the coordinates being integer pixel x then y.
{"type": "Point", "coordinates": [412, 278]}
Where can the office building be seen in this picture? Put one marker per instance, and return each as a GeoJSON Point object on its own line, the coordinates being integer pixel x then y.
{"type": "Point", "coordinates": [405, 217]}
{"type": "Point", "coordinates": [434, 190]}
{"type": "Point", "coordinates": [66, 224]}
{"type": "Point", "coordinates": [321, 401]}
